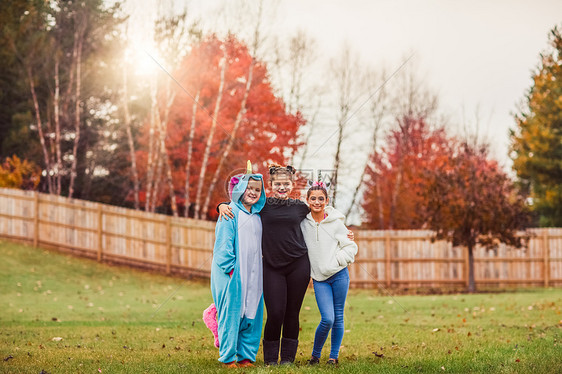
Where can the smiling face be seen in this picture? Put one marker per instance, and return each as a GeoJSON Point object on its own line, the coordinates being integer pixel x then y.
{"type": "Point", "coordinates": [252, 193]}
{"type": "Point", "coordinates": [317, 201]}
{"type": "Point", "coordinates": [281, 185]}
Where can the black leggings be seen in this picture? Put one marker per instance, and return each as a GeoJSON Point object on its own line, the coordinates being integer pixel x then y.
{"type": "Point", "coordinates": [283, 293]}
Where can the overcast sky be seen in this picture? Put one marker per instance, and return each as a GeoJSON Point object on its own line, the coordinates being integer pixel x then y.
{"type": "Point", "coordinates": [477, 55]}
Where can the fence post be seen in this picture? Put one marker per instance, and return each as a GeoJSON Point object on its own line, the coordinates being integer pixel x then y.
{"type": "Point", "coordinates": [168, 245]}
{"type": "Point", "coordinates": [36, 221]}
{"type": "Point", "coordinates": [546, 257]}
{"type": "Point", "coordinates": [465, 272]}
{"type": "Point", "coordinates": [100, 231]}
{"type": "Point", "coordinates": [387, 257]}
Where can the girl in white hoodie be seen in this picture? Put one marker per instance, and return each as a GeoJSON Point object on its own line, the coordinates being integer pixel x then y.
{"type": "Point", "coordinates": [330, 252]}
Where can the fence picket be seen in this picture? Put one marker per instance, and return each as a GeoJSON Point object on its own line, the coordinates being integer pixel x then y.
{"type": "Point", "coordinates": [393, 258]}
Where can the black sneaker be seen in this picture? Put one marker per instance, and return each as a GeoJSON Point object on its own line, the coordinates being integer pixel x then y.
{"type": "Point", "coordinates": [333, 362]}
{"type": "Point", "coordinates": [313, 361]}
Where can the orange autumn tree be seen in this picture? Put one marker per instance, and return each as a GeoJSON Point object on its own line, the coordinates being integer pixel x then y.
{"type": "Point", "coordinates": [394, 179]}
{"type": "Point", "coordinates": [224, 113]}
{"type": "Point", "coordinates": [468, 200]}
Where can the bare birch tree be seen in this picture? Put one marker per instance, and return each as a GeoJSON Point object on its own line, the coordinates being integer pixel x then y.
{"type": "Point", "coordinates": [305, 95]}
{"type": "Point", "coordinates": [56, 110]}
{"type": "Point", "coordinates": [39, 124]}
{"type": "Point", "coordinates": [347, 77]}
{"type": "Point", "coordinates": [151, 156]}
{"type": "Point", "coordinates": [130, 140]}
{"type": "Point", "coordinates": [241, 112]}
{"type": "Point", "coordinates": [162, 128]}
{"type": "Point", "coordinates": [79, 36]}
{"type": "Point", "coordinates": [223, 65]}
{"type": "Point", "coordinates": [378, 111]}
{"type": "Point", "coordinates": [190, 152]}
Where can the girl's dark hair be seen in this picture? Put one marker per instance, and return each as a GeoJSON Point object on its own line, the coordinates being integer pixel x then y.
{"type": "Point", "coordinates": [275, 169]}
{"type": "Point", "coordinates": [316, 188]}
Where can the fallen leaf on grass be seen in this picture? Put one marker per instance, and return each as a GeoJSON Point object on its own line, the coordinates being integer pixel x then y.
{"type": "Point", "coordinates": [8, 358]}
{"type": "Point", "coordinates": [518, 360]}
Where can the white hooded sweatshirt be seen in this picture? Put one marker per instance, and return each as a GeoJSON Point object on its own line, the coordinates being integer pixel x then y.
{"type": "Point", "coordinates": [329, 248]}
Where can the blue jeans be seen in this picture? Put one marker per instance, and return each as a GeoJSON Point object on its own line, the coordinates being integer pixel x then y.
{"type": "Point", "coordinates": [330, 297]}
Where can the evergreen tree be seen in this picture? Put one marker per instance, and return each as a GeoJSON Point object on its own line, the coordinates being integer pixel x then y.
{"type": "Point", "coordinates": [536, 144]}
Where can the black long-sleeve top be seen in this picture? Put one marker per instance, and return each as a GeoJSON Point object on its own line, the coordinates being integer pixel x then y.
{"type": "Point", "coordinates": [282, 238]}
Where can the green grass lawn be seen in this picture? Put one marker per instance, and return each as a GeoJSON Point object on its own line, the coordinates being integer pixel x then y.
{"type": "Point", "coordinates": [111, 320]}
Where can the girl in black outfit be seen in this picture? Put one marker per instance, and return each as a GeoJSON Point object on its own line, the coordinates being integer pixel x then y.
{"type": "Point", "coordinates": [286, 268]}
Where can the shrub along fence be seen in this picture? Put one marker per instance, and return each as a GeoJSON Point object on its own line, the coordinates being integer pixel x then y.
{"type": "Point", "coordinates": [388, 258]}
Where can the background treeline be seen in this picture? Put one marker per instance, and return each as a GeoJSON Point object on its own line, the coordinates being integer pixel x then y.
{"type": "Point", "coordinates": [81, 116]}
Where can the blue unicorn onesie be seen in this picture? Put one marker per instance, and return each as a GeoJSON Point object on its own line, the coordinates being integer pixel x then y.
{"type": "Point", "coordinates": [239, 299]}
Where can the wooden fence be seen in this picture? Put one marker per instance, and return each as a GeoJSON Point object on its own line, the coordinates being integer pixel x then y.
{"type": "Point", "coordinates": [404, 259]}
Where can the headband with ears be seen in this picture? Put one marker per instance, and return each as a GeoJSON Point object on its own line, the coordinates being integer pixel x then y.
{"type": "Point", "coordinates": [326, 185]}
{"type": "Point", "coordinates": [275, 168]}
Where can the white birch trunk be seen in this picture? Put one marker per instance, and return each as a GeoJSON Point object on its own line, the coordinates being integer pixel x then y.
{"type": "Point", "coordinates": [164, 150]}
{"type": "Point", "coordinates": [130, 139]}
{"type": "Point", "coordinates": [40, 129]}
{"type": "Point", "coordinates": [80, 35]}
{"type": "Point", "coordinates": [190, 153]}
{"type": "Point", "coordinates": [210, 138]}
{"type": "Point", "coordinates": [226, 152]}
{"type": "Point", "coordinates": [150, 157]}
{"type": "Point", "coordinates": [56, 107]}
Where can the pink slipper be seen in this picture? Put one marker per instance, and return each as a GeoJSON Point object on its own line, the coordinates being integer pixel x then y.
{"type": "Point", "coordinates": [210, 319]}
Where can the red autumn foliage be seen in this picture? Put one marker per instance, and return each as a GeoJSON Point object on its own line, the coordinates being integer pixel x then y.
{"type": "Point", "coordinates": [394, 175]}
{"type": "Point", "coordinates": [423, 179]}
{"type": "Point", "coordinates": [266, 134]}
{"type": "Point", "coordinates": [470, 201]}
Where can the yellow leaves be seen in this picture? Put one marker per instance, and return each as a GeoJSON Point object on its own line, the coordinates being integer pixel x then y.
{"type": "Point", "coordinates": [15, 173]}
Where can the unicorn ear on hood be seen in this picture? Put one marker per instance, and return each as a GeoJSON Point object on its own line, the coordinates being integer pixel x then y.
{"type": "Point", "coordinates": [233, 182]}
{"type": "Point", "coordinates": [236, 179]}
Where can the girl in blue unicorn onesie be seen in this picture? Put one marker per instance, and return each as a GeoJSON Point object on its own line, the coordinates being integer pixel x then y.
{"type": "Point", "coordinates": [237, 274]}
